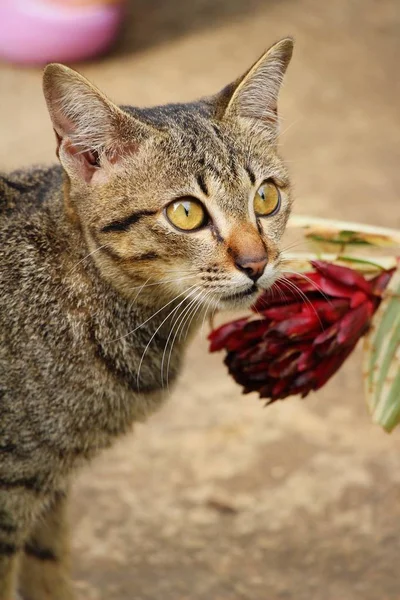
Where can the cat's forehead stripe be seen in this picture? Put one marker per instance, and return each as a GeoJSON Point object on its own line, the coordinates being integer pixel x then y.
{"type": "Point", "coordinates": [202, 184]}
{"type": "Point", "coordinates": [250, 174]}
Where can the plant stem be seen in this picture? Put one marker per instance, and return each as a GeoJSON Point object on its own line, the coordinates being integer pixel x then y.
{"type": "Point", "coordinates": [366, 265]}
{"type": "Point", "coordinates": [381, 235]}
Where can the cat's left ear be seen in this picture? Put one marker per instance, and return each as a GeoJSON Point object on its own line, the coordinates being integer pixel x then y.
{"type": "Point", "coordinates": [254, 96]}
{"type": "Point", "coordinates": [92, 132]}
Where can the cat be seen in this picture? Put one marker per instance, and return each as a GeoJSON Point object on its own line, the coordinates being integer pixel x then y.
{"type": "Point", "coordinates": [153, 219]}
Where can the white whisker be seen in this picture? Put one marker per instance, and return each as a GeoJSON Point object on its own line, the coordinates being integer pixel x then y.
{"type": "Point", "coordinates": [155, 333]}
{"type": "Point", "coordinates": [178, 319]}
{"type": "Point", "coordinates": [291, 285]}
{"type": "Point", "coordinates": [87, 256]}
{"type": "Point", "coordinates": [152, 316]}
{"type": "Point", "coordinates": [316, 286]}
{"type": "Point", "coordinates": [194, 303]}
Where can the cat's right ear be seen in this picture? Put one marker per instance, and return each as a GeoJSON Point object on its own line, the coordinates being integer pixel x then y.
{"type": "Point", "coordinates": [92, 132]}
{"type": "Point", "coordinates": [253, 98]}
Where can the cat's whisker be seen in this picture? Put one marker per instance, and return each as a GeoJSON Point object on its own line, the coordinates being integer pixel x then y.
{"type": "Point", "coordinates": [192, 309]}
{"type": "Point", "coordinates": [175, 318]}
{"type": "Point", "coordinates": [200, 303]}
{"type": "Point", "coordinates": [189, 318]}
{"type": "Point", "coordinates": [290, 285]}
{"type": "Point", "coordinates": [282, 133]}
{"type": "Point", "coordinates": [151, 317]}
{"type": "Point", "coordinates": [86, 257]}
{"type": "Point", "coordinates": [156, 331]}
{"type": "Point", "coordinates": [214, 311]}
{"type": "Point", "coordinates": [210, 299]}
{"type": "Point", "coordinates": [176, 309]}
{"type": "Point", "coordinates": [313, 283]}
{"type": "Point", "coordinates": [294, 244]}
{"type": "Point", "coordinates": [179, 316]}
{"type": "Point", "coordinates": [193, 306]}
{"type": "Point", "coordinates": [275, 288]}
{"type": "Point", "coordinates": [139, 292]}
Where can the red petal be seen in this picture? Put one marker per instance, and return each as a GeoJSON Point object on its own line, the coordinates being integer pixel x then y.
{"type": "Point", "coordinates": [307, 360]}
{"type": "Point", "coordinates": [331, 310]}
{"type": "Point", "coordinates": [280, 390]}
{"type": "Point", "coordinates": [329, 367]}
{"type": "Point", "coordinates": [345, 331]}
{"type": "Point", "coordinates": [354, 324]}
{"type": "Point", "coordinates": [268, 347]}
{"type": "Point", "coordinates": [298, 326]}
{"type": "Point", "coordinates": [250, 332]}
{"type": "Point", "coordinates": [218, 337]}
{"type": "Point", "coordinates": [380, 282]}
{"type": "Point", "coordinates": [357, 299]}
{"type": "Point", "coordinates": [328, 334]}
{"type": "Point", "coordinates": [285, 365]}
{"type": "Point", "coordinates": [330, 287]}
{"type": "Point", "coordinates": [280, 313]}
{"type": "Point", "coordinates": [258, 367]}
{"type": "Point", "coordinates": [342, 275]}
{"type": "Point", "coordinates": [302, 384]}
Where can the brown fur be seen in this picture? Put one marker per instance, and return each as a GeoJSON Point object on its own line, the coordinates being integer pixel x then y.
{"type": "Point", "coordinates": [96, 284]}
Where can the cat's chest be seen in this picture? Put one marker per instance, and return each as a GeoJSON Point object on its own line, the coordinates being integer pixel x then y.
{"type": "Point", "coordinates": [110, 371]}
{"type": "Point", "coordinates": [126, 378]}
{"type": "Point", "coordinates": [142, 351]}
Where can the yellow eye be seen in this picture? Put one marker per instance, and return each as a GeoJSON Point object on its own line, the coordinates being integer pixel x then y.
{"type": "Point", "coordinates": [186, 214]}
{"type": "Point", "coordinates": [267, 199]}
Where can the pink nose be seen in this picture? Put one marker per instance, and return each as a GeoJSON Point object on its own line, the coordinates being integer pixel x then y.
{"type": "Point", "coordinates": [252, 266]}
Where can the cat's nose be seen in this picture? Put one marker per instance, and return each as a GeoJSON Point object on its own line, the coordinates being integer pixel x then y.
{"type": "Point", "coordinates": [252, 266]}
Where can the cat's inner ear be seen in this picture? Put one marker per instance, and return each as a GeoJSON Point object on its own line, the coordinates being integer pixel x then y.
{"type": "Point", "coordinates": [91, 131]}
{"type": "Point", "coordinates": [255, 94]}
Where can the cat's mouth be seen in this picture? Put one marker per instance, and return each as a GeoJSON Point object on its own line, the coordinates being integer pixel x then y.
{"type": "Point", "coordinates": [239, 295]}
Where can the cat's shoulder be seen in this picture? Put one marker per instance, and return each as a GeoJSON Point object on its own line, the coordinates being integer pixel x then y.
{"type": "Point", "coordinates": [28, 188]}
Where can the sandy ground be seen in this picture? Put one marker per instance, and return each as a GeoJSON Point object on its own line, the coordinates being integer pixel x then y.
{"type": "Point", "coordinates": [216, 498]}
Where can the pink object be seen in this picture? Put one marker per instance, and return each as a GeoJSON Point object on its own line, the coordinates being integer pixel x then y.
{"type": "Point", "coordinates": [42, 31]}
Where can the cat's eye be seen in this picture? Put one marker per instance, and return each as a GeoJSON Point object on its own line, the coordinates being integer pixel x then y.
{"type": "Point", "coordinates": [267, 199]}
{"type": "Point", "coordinates": [187, 214]}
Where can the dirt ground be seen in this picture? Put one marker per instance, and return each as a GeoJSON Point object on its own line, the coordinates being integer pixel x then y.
{"type": "Point", "coordinates": [216, 498]}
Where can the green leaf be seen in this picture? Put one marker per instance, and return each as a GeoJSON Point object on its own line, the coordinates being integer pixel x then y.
{"type": "Point", "coordinates": [338, 239]}
{"type": "Point", "coordinates": [360, 262]}
{"type": "Point", "coordinates": [382, 359]}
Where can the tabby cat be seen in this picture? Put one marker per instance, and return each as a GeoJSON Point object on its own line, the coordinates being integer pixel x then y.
{"type": "Point", "coordinates": [154, 218]}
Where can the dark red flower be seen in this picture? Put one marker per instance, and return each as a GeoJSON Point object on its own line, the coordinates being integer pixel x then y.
{"type": "Point", "coordinates": [301, 333]}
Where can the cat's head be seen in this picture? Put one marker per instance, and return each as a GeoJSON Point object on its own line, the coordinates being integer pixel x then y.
{"type": "Point", "coordinates": [184, 200]}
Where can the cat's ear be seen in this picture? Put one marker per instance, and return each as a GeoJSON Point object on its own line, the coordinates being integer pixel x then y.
{"type": "Point", "coordinates": [254, 96]}
{"type": "Point", "coordinates": [91, 131]}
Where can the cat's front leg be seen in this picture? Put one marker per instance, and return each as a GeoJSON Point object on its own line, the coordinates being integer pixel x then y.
{"type": "Point", "coordinates": [44, 570]}
{"type": "Point", "coordinates": [19, 505]}
{"type": "Point", "coordinates": [8, 568]}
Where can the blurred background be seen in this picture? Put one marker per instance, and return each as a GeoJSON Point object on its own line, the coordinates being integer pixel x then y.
{"type": "Point", "coordinates": [216, 498]}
